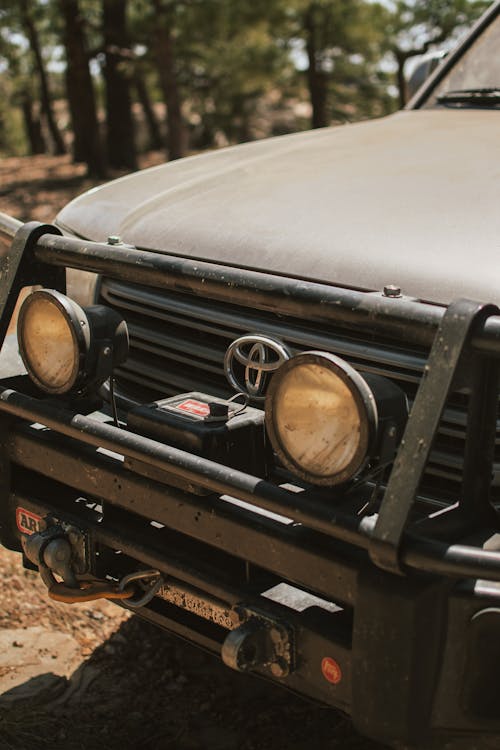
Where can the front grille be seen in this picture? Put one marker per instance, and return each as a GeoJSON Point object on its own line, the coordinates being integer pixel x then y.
{"type": "Point", "coordinates": [178, 341]}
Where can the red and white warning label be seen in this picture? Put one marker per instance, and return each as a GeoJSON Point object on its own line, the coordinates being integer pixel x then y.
{"type": "Point", "coordinates": [192, 406]}
{"type": "Point", "coordinates": [27, 521]}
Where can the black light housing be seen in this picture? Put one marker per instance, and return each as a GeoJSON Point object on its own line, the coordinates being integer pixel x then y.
{"type": "Point", "coordinates": [67, 349]}
{"type": "Point", "coordinates": [328, 423]}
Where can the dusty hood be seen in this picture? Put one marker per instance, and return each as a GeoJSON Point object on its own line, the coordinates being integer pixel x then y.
{"type": "Point", "coordinates": [412, 200]}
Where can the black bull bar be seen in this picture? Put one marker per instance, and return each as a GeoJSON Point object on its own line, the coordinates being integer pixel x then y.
{"type": "Point", "coordinates": [377, 562]}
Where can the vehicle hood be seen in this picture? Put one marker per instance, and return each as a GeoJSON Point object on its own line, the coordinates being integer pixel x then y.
{"type": "Point", "coordinates": [412, 199]}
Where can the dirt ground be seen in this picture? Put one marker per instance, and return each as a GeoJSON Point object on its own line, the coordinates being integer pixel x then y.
{"type": "Point", "coordinates": [135, 686]}
{"type": "Point", "coordinates": [35, 188]}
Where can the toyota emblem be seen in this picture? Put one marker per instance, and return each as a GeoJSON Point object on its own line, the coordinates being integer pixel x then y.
{"type": "Point", "coordinates": [249, 362]}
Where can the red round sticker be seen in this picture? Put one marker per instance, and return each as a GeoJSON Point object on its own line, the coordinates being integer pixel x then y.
{"type": "Point", "coordinates": [331, 670]}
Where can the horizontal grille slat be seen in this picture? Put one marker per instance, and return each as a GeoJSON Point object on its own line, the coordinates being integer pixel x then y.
{"type": "Point", "coordinates": [178, 342]}
{"type": "Point", "coordinates": [161, 382]}
{"type": "Point", "coordinates": [175, 348]}
{"type": "Point", "coordinates": [232, 323]}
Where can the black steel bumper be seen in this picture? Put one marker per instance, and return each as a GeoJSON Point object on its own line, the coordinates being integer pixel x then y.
{"type": "Point", "coordinates": [412, 648]}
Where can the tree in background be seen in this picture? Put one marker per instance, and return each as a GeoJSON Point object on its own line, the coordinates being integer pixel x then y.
{"type": "Point", "coordinates": [244, 63]}
{"type": "Point", "coordinates": [87, 146]}
{"type": "Point", "coordinates": [16, 88]}
{"type": "Point", "coordinates": [165, 16]}
{"type": "Point", "coordinates": [413, 27]}
{"type": "Point", "coordinates": [140, 81]}
{"type": "Point", "coordinates": [31, 120]}
{"type": "Point", "coordinates": [117, 70]}
{"type": "Point", "coordinates": [339, 46]}
{"type": "Point", "coordinates": [197, 73]}
{"type": "Point", "coordinates": [30, 17]}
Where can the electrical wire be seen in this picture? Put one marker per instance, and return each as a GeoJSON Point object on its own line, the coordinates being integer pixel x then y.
{"type": "Point", "coordinates": [113, 400]}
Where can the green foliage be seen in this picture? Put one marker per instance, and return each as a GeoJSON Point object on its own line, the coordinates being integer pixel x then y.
{"type": "Point", "coordinates": [15, 78]}
{"type": "Point", "coordinates": [343, 43]}
{"type": "Point", "coordinates": [18, 68]}
{"type": "Point", "coordinates": [413, 27]}
{"type": "Point", "coordinates": [242, 64]}
{"type": "Point", "coordinates": [243, 69]}
{"type": "Point", "coordinates": [418, 24]}
{"type": "Point", "coordinates": [228, 59]}
{"type": "Point", "coordinates": [12, 139]}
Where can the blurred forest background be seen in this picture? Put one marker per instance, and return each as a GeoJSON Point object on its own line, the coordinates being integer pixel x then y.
{"type": "Point", "coordinates": [106, 80]}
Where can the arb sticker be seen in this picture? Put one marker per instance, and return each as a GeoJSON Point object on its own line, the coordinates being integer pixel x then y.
{"type": "Point", "coordinates": [27, 521]}
{"type": "Point", "coordinates": [331, 670]}
{"type": "Point", "coordinates": [194, 407]}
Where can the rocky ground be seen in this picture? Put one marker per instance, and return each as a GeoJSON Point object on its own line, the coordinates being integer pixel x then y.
{"type": "Point", "coordinates": [92, 676]}
{"type": "Point", "coordinates": [125, 685]}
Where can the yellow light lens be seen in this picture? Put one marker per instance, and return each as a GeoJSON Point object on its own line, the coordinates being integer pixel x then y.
{"type": "Point", "coordinates": [48, 345]}
{"type": "Point", "coordinates": [321, 417]}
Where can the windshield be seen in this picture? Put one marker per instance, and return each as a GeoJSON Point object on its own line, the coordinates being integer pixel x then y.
{"type": "Point", "coordinates": [478, 68]}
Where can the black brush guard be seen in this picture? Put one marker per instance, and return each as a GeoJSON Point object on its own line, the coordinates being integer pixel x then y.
{"type": "Point", "coordinates": [416, 640]}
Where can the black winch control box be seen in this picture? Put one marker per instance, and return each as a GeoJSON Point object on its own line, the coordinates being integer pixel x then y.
{"type": "Point", "coordinates": [226, 431]}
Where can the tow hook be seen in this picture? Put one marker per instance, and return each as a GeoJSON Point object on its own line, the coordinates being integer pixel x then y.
{"type": "Point", "coordinates": [261, 642]}
{"type": "Point", "coordinates": [57, 551]}
{"type": "Point", "coordinates": [51, 551]}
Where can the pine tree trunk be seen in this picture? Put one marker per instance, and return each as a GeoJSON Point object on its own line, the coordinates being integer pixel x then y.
{"type": "Point", "coordinates": [45, 96]}
{"type": "Point", "coordinates": [401, 60]}
{"type": "Point", "coordinates": [32, 126]}
{"type": "Point", "coordinates": [317, 79]}
{"type": "Point", "coordinates": [165, 58]}
{"type": "Point", "coordinates": [3, 133]}
{"type": "Point", "coordinates": [87, 146]}
{"type": "Point", "coordinates": [155, 139]}
{"type": "Point", "coordinates": [119, 122]}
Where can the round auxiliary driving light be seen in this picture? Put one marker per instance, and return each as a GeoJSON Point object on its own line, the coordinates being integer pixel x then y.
{"type": "Point", "coordinates": [324, 419]}
{"type": "Point", "coordinates": [66, 348]}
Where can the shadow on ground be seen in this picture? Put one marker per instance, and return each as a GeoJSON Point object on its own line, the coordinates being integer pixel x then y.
{"type": "Point", "coordinates": [145, 689]}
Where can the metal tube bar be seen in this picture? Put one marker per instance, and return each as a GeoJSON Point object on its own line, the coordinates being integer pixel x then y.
{"type": "Point", "coordinates": [416, 322]}
{"type": "Point", "coordinates": [289, 551]}
{"type": "Point", "coordinates": [214, 477]}
{"type": "Point", "coordinates": [455, 560]}
{"type": "Point", "coordinates": [460, 319]}
{"type": "Point", "coordinates": [421, 554]}
{"type": "Point", "coordinates": [392, 317]}
{"type": "Point", "coordinates": [9, 225]}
